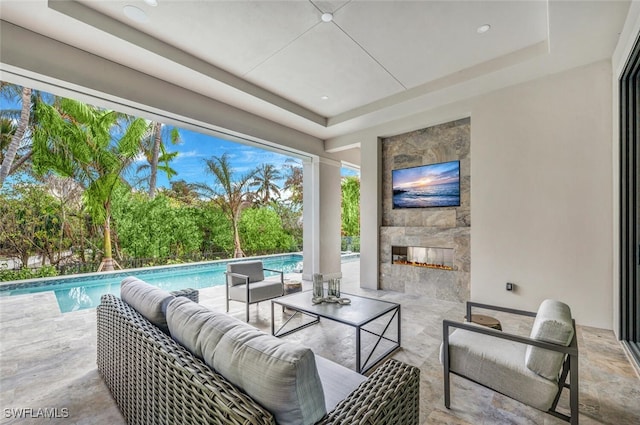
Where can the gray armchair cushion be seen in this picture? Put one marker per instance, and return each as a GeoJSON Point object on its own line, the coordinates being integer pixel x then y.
{"type": "Point", "coordinates": [499, 364]}
{"type": "Point", "coordinates": [150, 301]}
{"type": "Point", "coordinates": [259, 291]}
{"type": "Point", "coordinates": [552, 324]}
{"type": "Point", "coordinates": [253, 269]}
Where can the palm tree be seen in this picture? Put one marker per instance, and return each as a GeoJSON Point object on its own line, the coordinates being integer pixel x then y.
{"type": "Point", "coordinates": [265, 178]}
{"type": "Point", "coordinates": [230, 194]}
{"type": "Point", "coordinates": [7, 130]}
{"type": "Point", "coordinates": [68, 193]}
{"type": "Point", "coordinates": [86, 143]}
{"type": "Point", "coordinates": [23, 155]}
{"type": "Point", "coordinates": [19, 133]}
{"type": "Point", "coordinates": [155, 151]}
{"type": "Point", "coordinates": [293, 182]}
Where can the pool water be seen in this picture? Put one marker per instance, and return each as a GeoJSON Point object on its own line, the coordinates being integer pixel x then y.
{"type": "Point", "coordinates": [82, 292]}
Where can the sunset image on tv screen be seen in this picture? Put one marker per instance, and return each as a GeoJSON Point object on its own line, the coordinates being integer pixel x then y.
{"type": "Point", "coordinates": [434, 185]}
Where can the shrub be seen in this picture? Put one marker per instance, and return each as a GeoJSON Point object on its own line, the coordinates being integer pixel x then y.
{"type": "Point", "coordinates": [25, 273]}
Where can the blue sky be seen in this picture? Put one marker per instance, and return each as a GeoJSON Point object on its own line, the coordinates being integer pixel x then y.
{"type": "Point", "coordinates": [195, 147]}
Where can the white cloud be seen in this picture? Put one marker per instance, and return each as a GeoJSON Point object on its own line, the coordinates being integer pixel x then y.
{"type": "Point", "coordinates": [188, 154]}
{"type": "Point", "coordinates": [140, 158]}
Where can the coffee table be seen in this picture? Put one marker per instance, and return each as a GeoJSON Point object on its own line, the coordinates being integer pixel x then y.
{"type": "Point", "coordinates": [368, 315]}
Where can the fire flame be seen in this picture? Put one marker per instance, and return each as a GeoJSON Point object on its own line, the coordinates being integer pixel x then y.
{"type": "Point", "coordinates": [428, 265]}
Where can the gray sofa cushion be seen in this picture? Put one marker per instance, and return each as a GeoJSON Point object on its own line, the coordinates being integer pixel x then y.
{"type": "Point", "coordinates": [150, 301]}
{"type": "Point", "coordinates": [499, 364]}
{"type": "Point", "coordinates": [337, 381]}
{"type": "Point", "coordinates": [279, 375]}
{"type": "Point", "coordinates": [196, 327]}
{"type": "Point", "coordinates": [552, 324]}
{"type": "Point", "coordinates": [253, 269]}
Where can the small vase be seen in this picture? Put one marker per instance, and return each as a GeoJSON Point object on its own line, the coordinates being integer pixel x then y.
{"type": "Point", "coordinates": [334, 288]}
{"type": "Point", "coordinates": [318, 286]}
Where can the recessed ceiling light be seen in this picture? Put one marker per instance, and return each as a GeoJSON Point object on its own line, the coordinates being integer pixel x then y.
{"type": "Point", "coordinates": [151, 2]}
{"type": "Point", "coordinates": [483, 28]}
{"type": "Point", "coordinates": [135, 14]}
{"type": "Point", "coordinates": [325, 97]}
{"type": "Point", "coordinates": [327, 17]}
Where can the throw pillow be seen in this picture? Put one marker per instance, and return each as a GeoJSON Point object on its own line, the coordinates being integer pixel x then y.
{"type": "Point", "coordinates": [552, 324]}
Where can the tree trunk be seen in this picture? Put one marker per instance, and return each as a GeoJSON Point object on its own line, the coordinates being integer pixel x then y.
{"type": "Point", "coordinates": [24, 259]}
{"type": "Point", "coordinates": [19, 163]}
{"type": "Point", "coordinates": [61, 231]}
{"type": "Point", "coordinates": [25, 113]}
{"type": "Point", "coordinates": [157, 140]}
{"type": "Point", "coordinates": [106, 265]}
{"type": "Point", "coordinates": [238, 253]}
{"type": "Point", "coordinates": [107, 258]}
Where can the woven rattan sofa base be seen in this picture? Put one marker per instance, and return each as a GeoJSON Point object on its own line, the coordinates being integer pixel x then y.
{"type": "Point", "coordinates": [155, 380]}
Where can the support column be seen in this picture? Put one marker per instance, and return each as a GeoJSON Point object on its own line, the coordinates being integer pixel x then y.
{"type": "Point", "coordinates": [370, 212]}
{"type": "Point", "coordinates": [321, 218]}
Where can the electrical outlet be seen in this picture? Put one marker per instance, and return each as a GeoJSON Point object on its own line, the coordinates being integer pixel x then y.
{"type": "Point", "coordinates": [510, 286]}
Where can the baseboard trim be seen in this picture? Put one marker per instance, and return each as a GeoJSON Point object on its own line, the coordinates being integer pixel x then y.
{"type": "Point", "coordinates": [633, 359]}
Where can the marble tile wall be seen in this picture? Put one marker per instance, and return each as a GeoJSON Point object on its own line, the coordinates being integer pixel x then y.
{"type": "Point", "coordinates": [429, 227]}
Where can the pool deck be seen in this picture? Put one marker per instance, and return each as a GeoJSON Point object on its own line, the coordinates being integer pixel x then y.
{"type": "Point", "coordinates": [47, 361]}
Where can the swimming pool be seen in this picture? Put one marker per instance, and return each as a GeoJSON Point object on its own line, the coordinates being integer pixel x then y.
{"type": "Point", "coordinates": [81, 292]}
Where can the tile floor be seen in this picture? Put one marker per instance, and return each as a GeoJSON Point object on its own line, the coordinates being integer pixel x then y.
{"type": "Point", "coordinates": [47, 361]}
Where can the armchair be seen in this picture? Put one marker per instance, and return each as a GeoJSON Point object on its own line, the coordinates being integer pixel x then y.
{"type": "Point", "coordinates": [531, 370]}
{"type": "Point", "coordinates": [245, 282]}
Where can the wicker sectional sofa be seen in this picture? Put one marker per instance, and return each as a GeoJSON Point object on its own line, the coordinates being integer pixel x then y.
{"type": "Point", "coordinates": [154, 379]}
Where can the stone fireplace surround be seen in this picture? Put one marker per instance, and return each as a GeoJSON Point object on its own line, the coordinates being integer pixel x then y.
{"type": "Point", "coordinates": [448, 227]}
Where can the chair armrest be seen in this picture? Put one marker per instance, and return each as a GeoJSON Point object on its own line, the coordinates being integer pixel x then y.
{"type": "Point", "coordinates": [241, 276]}
{"type": "Point", "coordinates": [190, 293]}
{"type": "Point", "coordinates": [471, 304]}
{"type": "Point", "coordinates": [572, 349]}
{"type": "Point", "coordinates": [277, 271]}
{"type": "Point", "coordinates": [390, 396]}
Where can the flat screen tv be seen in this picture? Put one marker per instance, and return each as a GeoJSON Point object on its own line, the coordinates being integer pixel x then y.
{"type": "Point", "coordinates": [432, 185]}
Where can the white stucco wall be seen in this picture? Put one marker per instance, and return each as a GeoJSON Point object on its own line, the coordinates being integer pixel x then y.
{"type": "Point", "coordinates": [541, 194]}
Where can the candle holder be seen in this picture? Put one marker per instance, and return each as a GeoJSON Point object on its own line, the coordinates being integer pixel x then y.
{"type": "Point", "coordinates": [334, 288]}
{"type": "Point", "coordinates": [318, 286]}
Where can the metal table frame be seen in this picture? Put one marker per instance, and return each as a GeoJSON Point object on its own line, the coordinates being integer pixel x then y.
{"type": "Point", "coordinates": [361, 367]}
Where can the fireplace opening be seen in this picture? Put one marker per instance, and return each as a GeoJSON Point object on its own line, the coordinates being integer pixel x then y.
{"type": "Point", "coordinates": [431, 257]}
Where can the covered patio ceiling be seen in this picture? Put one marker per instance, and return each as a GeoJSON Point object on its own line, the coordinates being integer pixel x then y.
{"type": "Point", "coordinates": [367, 63]}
